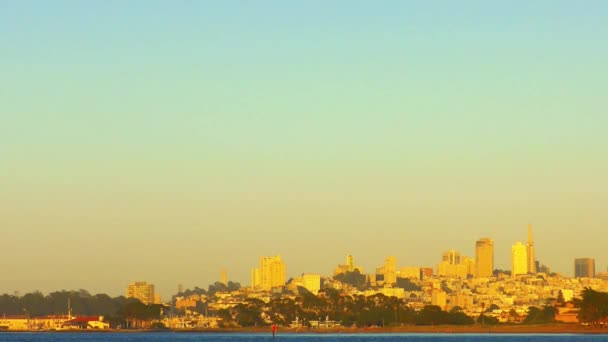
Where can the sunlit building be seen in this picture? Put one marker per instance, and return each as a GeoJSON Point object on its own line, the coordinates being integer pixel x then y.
{"type": "Point", "coordinates": [141, 290]}
{"type": "Point", "coordinates": [312, 282]}
{"type": "Point", "coordinates": [519, 259]}
{"type": "Point", "coordinates": [484, 258]}
{"type": "Point", "coordinates": [454, 265]}
{"type": "Point", "coordinates": [270, 274]}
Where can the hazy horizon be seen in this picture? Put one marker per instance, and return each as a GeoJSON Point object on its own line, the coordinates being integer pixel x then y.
{"type": "Point", "coordinates": [163, 141]}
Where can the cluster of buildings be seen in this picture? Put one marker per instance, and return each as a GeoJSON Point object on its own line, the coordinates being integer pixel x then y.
{"type": "Point", "coordinates": [470, 283]}
{"type": "Point", "coordinates": [53, 323]}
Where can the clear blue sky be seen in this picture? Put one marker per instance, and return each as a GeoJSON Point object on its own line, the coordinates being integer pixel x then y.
{"type": "Point", "coordinates": [165, 140]}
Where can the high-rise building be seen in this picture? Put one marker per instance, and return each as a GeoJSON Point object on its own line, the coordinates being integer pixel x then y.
{"type": "Point", "coordinates": [270, 274]}
{"type": "Point", "coordinates": [141, 290]}
{"type": "Point", "coordinates": [519, 259]}
{"type": "Point", "coordinates": [530, 252]}
{"type": "Point", "coordinates": [390, 270]}
{"type": "Point", "coordinates": [312, 282]}
{"type": "Point", "coordinates": [484, 257]}
{"type": "Point", "coordinates": [584, 268]}
{"type": "Point", "coordinates": [180, 288]}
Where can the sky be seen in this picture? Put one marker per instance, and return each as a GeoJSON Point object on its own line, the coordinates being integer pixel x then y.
{"type": "Point", "coordinates": [166, 140]}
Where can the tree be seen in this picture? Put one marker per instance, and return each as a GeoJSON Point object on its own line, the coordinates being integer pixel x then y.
{"type": "Point", "coordinates": [594, 306]}
{"type": "Point", "coordinates": [354, 278]}
{"type": "Point", "coordinates": [407, 285]}
{"type": "Point", "coordinates": [543, 315]}
{"type": "Point", "coordinates": [560, 298]}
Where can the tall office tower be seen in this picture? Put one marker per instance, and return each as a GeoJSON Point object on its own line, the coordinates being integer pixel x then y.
{"type": "Point", "coordinates": [519, 259]}
{"type": "Point", "coordinates": [530, 251]}
{"type": "Point", "coordinates": [390, 270]}
{"type": "Point", "coordinates": [452, 257]}
{"type": "Point", "coordinates": [584, 268]}
{"type": "Point", "coordinates": [484, 257]}
{"type": "Point", "coordinates": [270, 274]}
{"type": "Point", "coordinates": [224, 277]}
{"type": "Point", "coordinates": [142, 291]}
{"type": "Point", "coordinates": [350, 263]}
{"type": "Point", "coordinates": [180, 288]}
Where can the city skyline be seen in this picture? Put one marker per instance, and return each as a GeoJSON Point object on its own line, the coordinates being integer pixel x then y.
{"type": "Point", "coordinates": [163, 141]}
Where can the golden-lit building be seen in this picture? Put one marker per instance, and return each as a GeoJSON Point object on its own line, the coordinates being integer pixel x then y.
{"type": "Point", "coordinates": [484, 258]}
{"type": "Point", "coordinates": [270, 274]}
{"type": "Point", "coordinates": [390, 270]}
{"type": "Point", "coordinates": [530, 252]}
{"type": "Point", "coordinates": [584, 268]}
{"type": "Point", "coordinates": [519, 259]}
{"type": "Point", "coordinates": [454, 265]}
{"type": "Point", "coordinates": [409, 272]}
{"type": "Point", "coordinates": [141, 290]}
{"type": "Point", "coordinates": [312, 282]}
{"type": "Point", "coordinates": [452, 257]}
{"type": "Point", "coordinates": [348, 267]}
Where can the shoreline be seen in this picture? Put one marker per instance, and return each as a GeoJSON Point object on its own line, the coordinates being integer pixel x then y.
{"type": "Point", "coordinates": [413, 329]}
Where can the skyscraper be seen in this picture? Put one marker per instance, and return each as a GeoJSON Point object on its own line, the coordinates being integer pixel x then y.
{"type": "Point", "coordinates": [519, 259]}
{"type": "Point", "coordinates": [270, 274]}
{"type": "Point", "coordinates": [530, 251]}
{"type": "Point", "coordinates": [584, 268]}
{"type": "Point", "coordinates": [142, 291]}
{"type": "Point", "coordinates": [484, 257]}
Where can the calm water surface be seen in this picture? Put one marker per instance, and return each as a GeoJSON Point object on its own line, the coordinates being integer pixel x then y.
{"type": "Point", "coordinates": [188, 337]}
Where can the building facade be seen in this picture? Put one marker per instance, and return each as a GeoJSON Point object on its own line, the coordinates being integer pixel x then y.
{"type": "Point", "coordinates": [519, 259]}
{"type": "Point", "coordinates": [390, 270]}
{"type": "Point", "coordinates": [312, 282]}
{"type": "Point", "coordinates": [270, 274]}
{"type": "Point", "coordinates": [141, 290]}
{"type": "Point", "coordinates": [584, 268]}
{"type": "Point", "coordinates": [484, 257]}
{"type": "Point", "coordinates": [530, 252]}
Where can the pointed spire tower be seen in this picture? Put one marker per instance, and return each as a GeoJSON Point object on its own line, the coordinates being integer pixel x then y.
{"type": "Point", "coordinates": [530, 251]}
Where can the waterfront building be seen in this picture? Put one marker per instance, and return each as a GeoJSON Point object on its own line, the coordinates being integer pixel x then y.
{"type": "Point", "coordinates": [390, 270]}
{"type": "Point", "coordinates": [348, 267]}
{"type": "Point", "coordinates": [312, 282]}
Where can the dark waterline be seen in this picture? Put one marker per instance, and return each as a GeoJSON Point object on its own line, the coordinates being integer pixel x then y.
{"type": "Point", "coordinates": [242, 337]}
